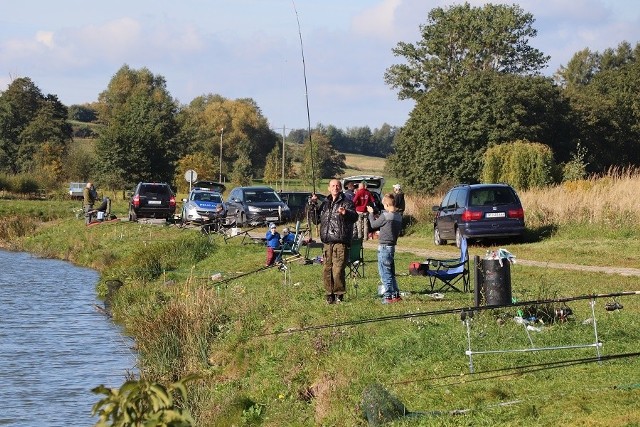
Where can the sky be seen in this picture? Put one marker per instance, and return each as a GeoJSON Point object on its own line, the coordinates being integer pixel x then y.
{"type": "Point", "coordinates": [255, 49]}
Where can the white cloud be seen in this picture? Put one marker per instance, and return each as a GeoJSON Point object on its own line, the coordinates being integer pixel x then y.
{"type": "Point", "coordinates": [45, 37]}
{"type": "Point", "coordinates": [378, 21]}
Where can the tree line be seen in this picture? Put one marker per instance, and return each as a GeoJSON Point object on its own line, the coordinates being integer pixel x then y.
{"type": "Point", "coordinates": [473, 75]}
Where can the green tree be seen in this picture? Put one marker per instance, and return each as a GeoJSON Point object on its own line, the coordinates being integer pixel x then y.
{"type": "Point", "coordinates": [327, 162]}
{"type": "Point", "coordinates": [605, 105]}
{"type": "Point", "coordinates": [273, 168]}
{"type": "Point", "coordinates": [522, 164]}
{"type": "Point", "coordinates": [449, 130]}
{"type": "Point", "coordinates": [211, 120]}
{"type": "Point", "coordinates": [34, 133]}
{"type": "Point", "coordinates": [242, 174]}
{"type": "Point", "coordinates": [460, 40]}
{"type": "Point", "coordinates": [140, 128]}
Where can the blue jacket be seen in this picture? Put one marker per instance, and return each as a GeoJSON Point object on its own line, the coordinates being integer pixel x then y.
{"type": "Point", "coordinates": [273, 239]}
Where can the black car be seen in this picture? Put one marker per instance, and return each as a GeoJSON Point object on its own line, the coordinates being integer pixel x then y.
{"type": "Point", "coordinates": [298, 201]}
{"type": "Point", "coordinates": [256, 205]}
{"type": "Point", "coordinates": [478, 211]}
{"type": "Point", "coordinates": [152, 200]}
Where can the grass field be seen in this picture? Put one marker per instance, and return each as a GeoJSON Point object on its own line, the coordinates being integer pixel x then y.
{"type": "Point", "coordinates": [244, 336]}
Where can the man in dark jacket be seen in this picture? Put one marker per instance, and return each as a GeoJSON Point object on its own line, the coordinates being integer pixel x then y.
{"type": "Point", "coordinates": [336, 216]}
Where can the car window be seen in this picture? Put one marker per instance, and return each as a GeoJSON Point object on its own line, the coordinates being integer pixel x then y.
{"type": "Point", "coordinates": [451, 201]}
{"type": "Point", "coordinates": [155, 189]}
{"type": "Point", "coordinates": [492, 196]}
{"type": "Point", "coordinates": [445, 199]}
{"type": "Point", "coordinates": [460, 198]}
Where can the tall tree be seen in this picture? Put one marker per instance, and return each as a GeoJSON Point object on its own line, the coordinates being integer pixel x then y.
{"type": "Point", "coordinates": [450, 129]}
{"type": "Point", "coordinates": [34, 133]}
{"type": "Point", "coordinates": [210, 121]}
{"type": "Point", "coordinates": [462, 39]}
{"type": "Point", "coordinates": [326, 163]}
{"type": "Point", "coordinates": [140, 128]}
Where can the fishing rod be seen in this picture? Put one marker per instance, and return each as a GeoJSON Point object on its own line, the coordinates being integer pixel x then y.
{"type": "Point", "coordinates": [522, 369]}
{"type": "Point", "coordinates": [306, 94]}
{"type": "Point", "coordinates": [450, 311]}
{"type": "Point", "coordinates": [229, 279]}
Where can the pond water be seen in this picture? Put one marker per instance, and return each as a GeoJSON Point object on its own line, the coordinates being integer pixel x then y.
{"type": "Point", "coordinates": [55, 346]}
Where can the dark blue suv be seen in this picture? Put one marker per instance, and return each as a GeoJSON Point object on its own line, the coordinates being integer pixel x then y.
{"type": "Point", "coordinates": [478, 211]}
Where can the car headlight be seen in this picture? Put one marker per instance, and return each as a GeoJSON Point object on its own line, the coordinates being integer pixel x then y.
{"type": "Point", "coordinates": [254, 209]}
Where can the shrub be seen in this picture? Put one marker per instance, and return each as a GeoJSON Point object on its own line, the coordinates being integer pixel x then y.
{"type": "Point", "coordinates": [521, 164]}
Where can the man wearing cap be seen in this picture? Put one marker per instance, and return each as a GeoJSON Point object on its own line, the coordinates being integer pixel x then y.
{"type": "Point", "coordinates": [273, 242]}
{"type": "Point", "coordinates": [398, 197]}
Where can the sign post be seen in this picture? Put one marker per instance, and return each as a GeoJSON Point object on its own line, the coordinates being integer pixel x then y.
{"type": "Point", "coordinates": [191, 177]}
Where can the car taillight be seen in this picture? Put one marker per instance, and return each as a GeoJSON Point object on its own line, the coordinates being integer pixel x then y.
{"type": "Point", "coordinates": [172, 201]}
{"type": "Point", "coordinates": [515, 213]}
{"type": "Point", "coordinates": [136, 200]}
{"type": "Point", "coordinates": [469, 215]}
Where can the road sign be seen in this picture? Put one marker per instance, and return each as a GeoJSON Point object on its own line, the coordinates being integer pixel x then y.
{"type": "Point", "coordinates": [191, 176]}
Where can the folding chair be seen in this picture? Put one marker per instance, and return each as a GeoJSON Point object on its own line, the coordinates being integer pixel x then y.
{"type": "Point", "coordinates": [294, 250]}
{"type": "Point", "coordinates": [448, 273]}
{"type": "Point", "coordinates": [355, 262]}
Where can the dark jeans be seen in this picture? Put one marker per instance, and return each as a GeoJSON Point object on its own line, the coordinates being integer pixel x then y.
{"type": "Point", "coordinates": [334, 261]}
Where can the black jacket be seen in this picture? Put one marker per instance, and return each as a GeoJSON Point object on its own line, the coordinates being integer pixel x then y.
{"type": "Point", "coordinates": [335, 228]}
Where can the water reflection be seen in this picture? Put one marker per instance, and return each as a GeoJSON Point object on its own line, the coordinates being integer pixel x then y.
{"type": "Point", "coordinates": [54, 346]}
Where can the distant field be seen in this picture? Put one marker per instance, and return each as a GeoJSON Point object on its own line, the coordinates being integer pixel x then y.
{"type": "Point", "coordinates": [358, 164]}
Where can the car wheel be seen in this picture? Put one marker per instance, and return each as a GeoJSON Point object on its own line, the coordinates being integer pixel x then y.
{"type": "Point", "coordinates": [458, 237]}
{"type": "Point", "coordinates": [436, 237]}
{"type": "Point", "coordinates": [132, 215]}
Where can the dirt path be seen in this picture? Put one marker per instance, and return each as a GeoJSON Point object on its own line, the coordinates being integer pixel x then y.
{"type": "Point", "coordinates": [434, 253]}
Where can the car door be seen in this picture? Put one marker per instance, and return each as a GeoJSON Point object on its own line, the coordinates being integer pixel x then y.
{"type": "Point", "coordinates": [446, 217]}
{"type": "Point", "coordinates": [234, 203]}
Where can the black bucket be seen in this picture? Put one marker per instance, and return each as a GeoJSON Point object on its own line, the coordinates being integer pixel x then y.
{"type": "Point", "coordinates": [495, 286]}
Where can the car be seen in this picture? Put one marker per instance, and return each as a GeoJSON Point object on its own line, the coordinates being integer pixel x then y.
{"type": "Point", "coordinates": [298, 202]}
{"type": "Point", "coordinates": [374, 183]}
{"type": "Point", "coordinates": [202, 206]}
{"type": "Point", "coordinates": [76, 190]}
{"type": "Point", "coordinates": [256, 204]}
{"type": "Point", "coordinates": [210, 185]}
{"type": "Point", "coordinates": [478, 211]}
{"type": "Point", "coordinates": [152, 200]}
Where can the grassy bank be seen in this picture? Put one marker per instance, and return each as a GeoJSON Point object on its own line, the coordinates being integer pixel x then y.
{"type": "Point", "coordinates": [253, 373]}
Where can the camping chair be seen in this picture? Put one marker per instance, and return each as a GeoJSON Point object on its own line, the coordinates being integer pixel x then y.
{"type": "Point", "coordinates": [448, 273]}
{"type": "Point", "coordinates": [355, 263]}
{"type": "Point", "coordinates": [294, 250]}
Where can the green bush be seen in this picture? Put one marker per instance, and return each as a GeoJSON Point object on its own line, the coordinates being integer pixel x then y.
{"type": "Point", "coordinates": [521, 164]}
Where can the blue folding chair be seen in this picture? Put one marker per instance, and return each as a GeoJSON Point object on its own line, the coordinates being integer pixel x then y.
{"type": "Point", "coordinates": [448, 273]}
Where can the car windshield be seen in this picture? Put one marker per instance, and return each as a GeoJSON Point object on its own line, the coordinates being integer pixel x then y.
{"type": "Point", "coordinates": [491, 196]}
{"type": "Point", "coordinates": [207, 197]}
{"type": "Point", "coordinates": [261, 196]}
{"type": "Point", "coordinates": [155, 189]}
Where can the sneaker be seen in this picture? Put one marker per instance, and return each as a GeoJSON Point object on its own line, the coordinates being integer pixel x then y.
{"type": "Point", "coordinates": [339, 297]}
{"type": "Point", "coordinates": [331, 299]}
{"type": "Point", "coordinates": [388, 300]}
{"type": "Point", "coordinates": [396, 298]}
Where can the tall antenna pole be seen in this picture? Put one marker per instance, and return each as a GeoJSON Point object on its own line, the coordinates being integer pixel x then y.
{"type": "Point", "coordinates": [306, 94]}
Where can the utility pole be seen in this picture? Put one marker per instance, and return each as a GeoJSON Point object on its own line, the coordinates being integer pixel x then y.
{"type": "Point", "coordinates": [220, 175]}
{"type": "Point", "coordinates": [283, 130]}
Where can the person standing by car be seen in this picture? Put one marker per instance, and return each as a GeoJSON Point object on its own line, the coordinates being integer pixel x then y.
{"type": "Point", "coordinates": [361, 200]}
{"type": "Point", "coordinates": [390, 224]}
{"type": "Point", "coordinates": [350, 191]}
{"type": "Point", "coordinates": [273, 243]}
{"type": "Point", "coordinates": [336, 216]}
{"type": "Point", "coordinates": [398, 197]}
{"type": "Point", "coordinates": [89, 195]}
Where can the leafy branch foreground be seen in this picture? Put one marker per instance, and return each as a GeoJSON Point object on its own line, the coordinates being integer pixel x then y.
{"type": "Point", "coordinates": [186, 323]}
